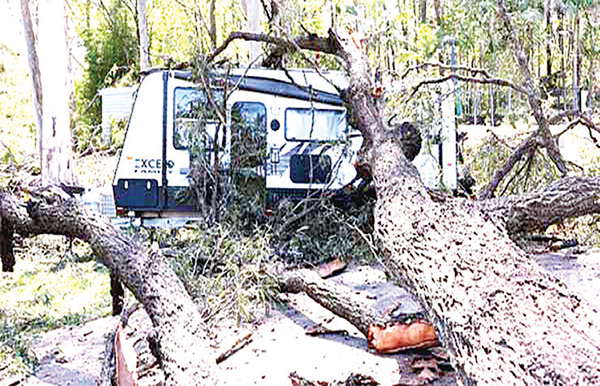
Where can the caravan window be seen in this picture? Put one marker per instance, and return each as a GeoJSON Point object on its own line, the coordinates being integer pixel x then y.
{"type": "Point", "coordinates": [315, 125]}
{"type": "Point", "coordinates": [194, 116]}
{"type": "Point", "coordinates": [248, 133]}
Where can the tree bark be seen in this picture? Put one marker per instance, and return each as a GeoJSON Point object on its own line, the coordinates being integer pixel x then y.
{"type": "Point", "coordinates": [51, 49]}
{"type": "Point", "coordinates": [34, 66]}
{"type": "Point", "coordinates": [6, 246]}
{"type": "Point", "coordinates": [185, 354]}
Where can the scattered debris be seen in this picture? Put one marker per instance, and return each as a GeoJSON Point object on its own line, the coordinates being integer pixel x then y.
{"type": "Point", "coordinates": [352, 380]}
{"type": "Point", "coordinates": [319, 329]}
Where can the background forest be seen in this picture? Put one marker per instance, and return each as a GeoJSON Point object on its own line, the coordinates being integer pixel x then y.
{"type": "Point", "coordinates": [562, 43]}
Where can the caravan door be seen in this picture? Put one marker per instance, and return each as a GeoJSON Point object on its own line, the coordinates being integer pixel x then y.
{"type": "Point", "coordinates": [195, 124]}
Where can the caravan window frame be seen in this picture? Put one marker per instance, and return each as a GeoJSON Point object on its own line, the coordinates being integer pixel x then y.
{"type": "Point", "coordinates": [343, 137]}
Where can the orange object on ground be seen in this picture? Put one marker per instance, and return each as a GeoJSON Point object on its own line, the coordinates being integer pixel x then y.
{"type": "Point", "coordinates": [398, 336]}
{"type": "Point", "coordinates": [337, 265]}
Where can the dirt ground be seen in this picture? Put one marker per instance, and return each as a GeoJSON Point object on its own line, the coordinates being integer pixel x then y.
{"type": "Point", "coordinates": [279, 344]}
{"type": "Point", "coordinates": [71, 356]}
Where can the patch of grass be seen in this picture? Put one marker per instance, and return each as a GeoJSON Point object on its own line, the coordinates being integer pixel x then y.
{"type": "Point", "coordinates": [47, 290]}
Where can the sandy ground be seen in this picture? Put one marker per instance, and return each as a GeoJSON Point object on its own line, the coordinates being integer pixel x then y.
{"type": "Point", "coordinates": [279, 344]}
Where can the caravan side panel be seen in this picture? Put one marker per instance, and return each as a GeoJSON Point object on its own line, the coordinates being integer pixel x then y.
{"type": "Point", "coordinates": [138, 179]}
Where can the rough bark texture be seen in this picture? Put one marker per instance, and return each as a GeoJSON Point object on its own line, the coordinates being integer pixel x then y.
{"type": "Point", "coordinates": [185, 354]}
{"type": "Point", "coordinates": [504, 319]}
{"type": "Point", "coordinates": [568, 197]}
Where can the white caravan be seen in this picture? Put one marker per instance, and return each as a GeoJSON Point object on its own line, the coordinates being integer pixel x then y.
{"type": "Point", "coordinates": [287, 129]}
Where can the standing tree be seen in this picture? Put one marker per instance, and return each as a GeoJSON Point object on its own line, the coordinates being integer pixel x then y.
{"type": "Point", "coordinates": [143, 28]}
{"type": "Point", "coordinates": [49, 48]}
{"type": "Point", "coordinates": [49, 66]}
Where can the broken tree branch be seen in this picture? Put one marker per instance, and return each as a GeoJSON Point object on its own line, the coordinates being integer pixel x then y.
{"type": "Point", "coordinates": [525, 147]}
{"type": "Point", "coordinates": [471, 70]}
{"type": "Point", "coordinates": [498, 82]}
{"type": "Point", "coordinates": [567, 197]}
{"type": "Point", "coordinates": [312, 43]}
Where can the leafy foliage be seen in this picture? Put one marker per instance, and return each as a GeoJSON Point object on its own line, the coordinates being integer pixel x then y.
{"type": "Point", "coordinates": [229, 274]}
{"type": "Point", "coordinates": [112, 59]}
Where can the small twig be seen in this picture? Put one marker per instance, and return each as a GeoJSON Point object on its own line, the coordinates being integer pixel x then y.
{"type": "Point", "coordinates": [496, 81]}
{"type": "Point", "coordinates": [237, 346]}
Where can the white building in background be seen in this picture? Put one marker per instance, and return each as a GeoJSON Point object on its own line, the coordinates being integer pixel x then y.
{"type": "Point", "coordinates": [116, 105]}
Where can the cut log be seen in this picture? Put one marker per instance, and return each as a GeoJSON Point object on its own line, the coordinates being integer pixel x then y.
{"type": "Point", "coordinates": [398, 336]}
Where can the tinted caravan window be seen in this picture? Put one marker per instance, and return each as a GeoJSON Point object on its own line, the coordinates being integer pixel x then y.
{"type": "Point", "coordinates": [248, 133]}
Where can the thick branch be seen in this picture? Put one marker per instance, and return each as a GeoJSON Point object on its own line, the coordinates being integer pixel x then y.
{"type": "Point", "coordinates": [568, 197]}
{"type": "Point", "coordinates": [334, 297]}
{"type": "Point", "coordinates": [186, 356]}
{"type": "Point", "coordinates": [312, 43]}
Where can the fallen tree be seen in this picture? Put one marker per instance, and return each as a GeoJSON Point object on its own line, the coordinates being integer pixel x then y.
{"type": "Point", "coordinates": [503, 318]}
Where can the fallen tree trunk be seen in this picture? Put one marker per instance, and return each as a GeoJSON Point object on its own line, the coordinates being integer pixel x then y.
{"type": "Point", "coordinates": [503, 318]}
{"type": "Point", "coordinates": [185, 354]}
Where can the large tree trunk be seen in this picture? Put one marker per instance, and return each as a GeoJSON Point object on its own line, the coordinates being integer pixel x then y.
{"type": "Point", "coordinates": [185, 354]}
{"type": "Point", "coordinates": [504, 319]}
